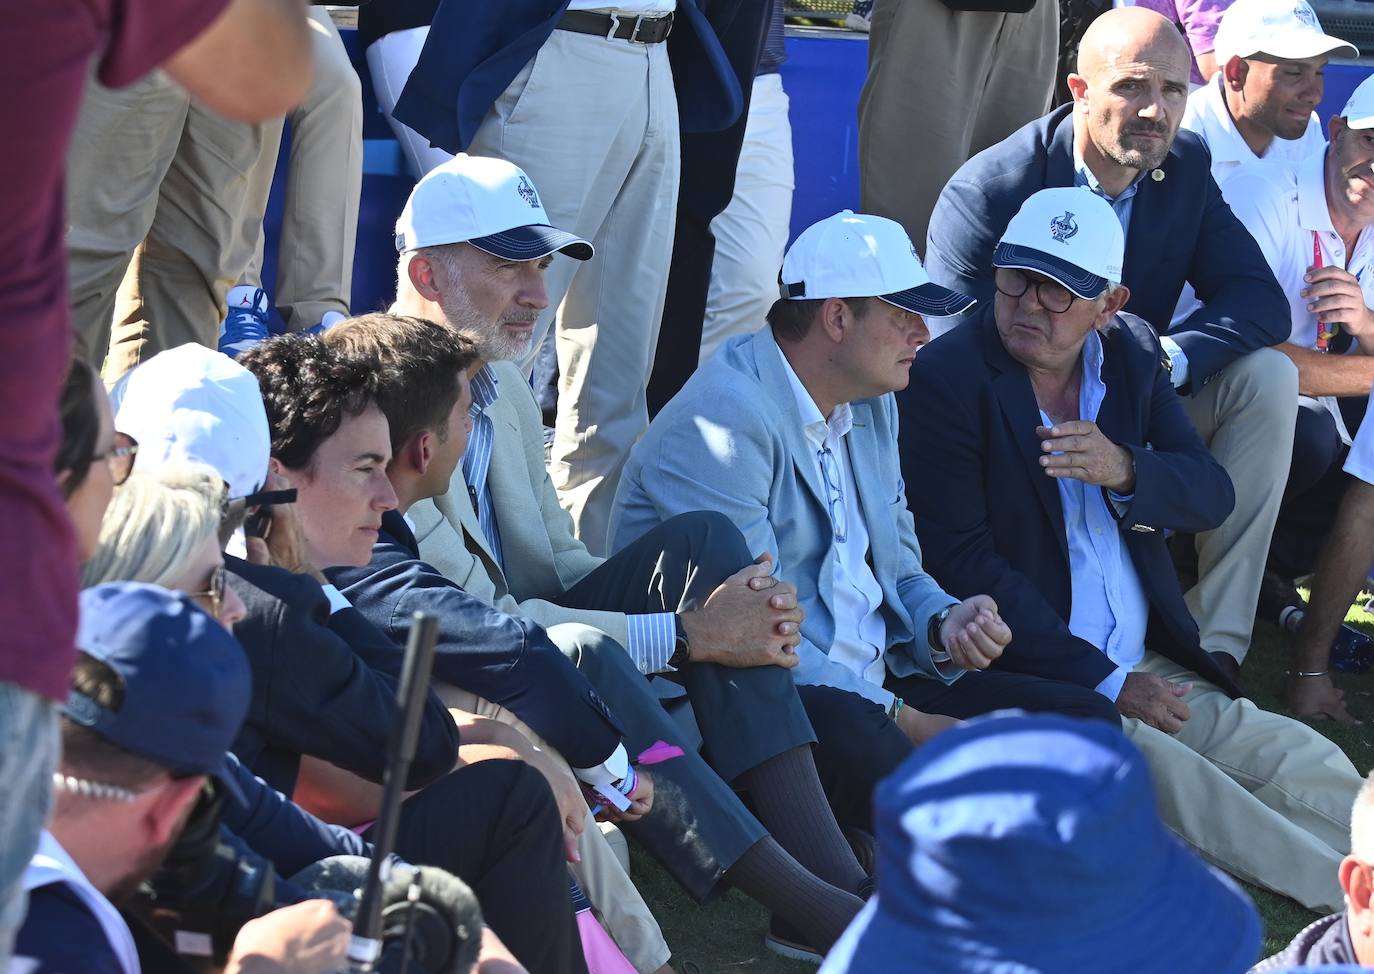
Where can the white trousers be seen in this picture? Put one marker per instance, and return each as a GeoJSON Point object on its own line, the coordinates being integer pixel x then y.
{"type": "Point", "coordinates": [751, 233]}
{"type": "Point", "coordinates": [390, 61]}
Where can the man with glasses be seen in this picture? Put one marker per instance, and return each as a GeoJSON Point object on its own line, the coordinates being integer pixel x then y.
{"type": "Point", "coordinates": [791, 433]}
{"type": "Point", "coordinates": [1046, 455]}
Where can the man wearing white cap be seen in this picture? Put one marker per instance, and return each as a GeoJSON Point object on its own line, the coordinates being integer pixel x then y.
{"type": "Point", "coordinates": [1046, 454]}
{"type": "Point", "coordinates": [1312, 218]}
{"type": "Point", "coordinates": [791, 432]}
{"type": "Point", "coordinates": [1262, 102]}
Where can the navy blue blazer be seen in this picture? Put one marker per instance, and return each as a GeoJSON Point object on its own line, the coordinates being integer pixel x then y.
{"type": "Point", "coordinates": [1181, 230]}
{"type": "Point", "coordinates": [477, 47]}
{"type": "Point", "coordinates": [504, 659]}
{"type": "Point", "coordinates": [323, 684]}
{"type": "Point", "coordinates": [990, 520]}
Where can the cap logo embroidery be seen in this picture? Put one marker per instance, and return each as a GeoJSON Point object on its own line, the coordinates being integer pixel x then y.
{"type": "Point", "coordinates": [1063, 227]}
{"type": "Point", "coordinates": [526, 190]}
{"type": "Point", "coordinates": [1306, 16]}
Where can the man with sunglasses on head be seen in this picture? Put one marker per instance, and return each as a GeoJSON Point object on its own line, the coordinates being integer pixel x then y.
{"type": "Point", "coordinates": [1047, 454]}
{"type": "Point", "coordinates": [791, 433]}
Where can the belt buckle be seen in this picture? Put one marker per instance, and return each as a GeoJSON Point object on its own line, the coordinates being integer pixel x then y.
{"type": "Point", "coordinates": [634, 34]}
{"type": "Point", "coordinates": [615, 26]}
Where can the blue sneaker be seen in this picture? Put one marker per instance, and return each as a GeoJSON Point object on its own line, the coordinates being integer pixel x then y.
{"type": "Point", "coordinates": [246, 323]}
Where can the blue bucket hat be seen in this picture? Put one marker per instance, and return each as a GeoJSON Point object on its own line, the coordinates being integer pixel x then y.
{"type": "Point", "coordinates": [187, 682]}
{"type": "Point", "coordinates": [1023, 844]}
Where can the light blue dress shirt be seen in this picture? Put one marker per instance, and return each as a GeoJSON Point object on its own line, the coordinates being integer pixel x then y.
{"type": "Point", "coordinates": [1110, 609]}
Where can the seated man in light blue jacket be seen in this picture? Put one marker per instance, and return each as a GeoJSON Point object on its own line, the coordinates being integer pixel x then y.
{"type": "Point", "coordinates": [792, 433]}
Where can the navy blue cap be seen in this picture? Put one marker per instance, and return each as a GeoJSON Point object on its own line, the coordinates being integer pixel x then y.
{"type": "Point", "coordinates": [1031, 844]}
{"type": "Point", "coordinates": [930, 299]}
{"type": "Point", "coordinates": [187, 682]}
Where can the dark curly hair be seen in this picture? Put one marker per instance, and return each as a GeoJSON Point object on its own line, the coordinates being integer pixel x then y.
{"type": "Point", "coordinates": [417, 364]}
{"type": "Point", "coordinates": [80, 425]}
{"type": "Point", "coordinates": [308, 390]}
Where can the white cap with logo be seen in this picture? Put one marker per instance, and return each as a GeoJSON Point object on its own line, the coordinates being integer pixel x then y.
{"type": "Point", "coordinates": [1286, 29]}
{"type": "Point", "coordinates": [489, 203]}
{"type": "Point", "coordinates": [1359, 109]}
{"type": "Point", "coordinates": [854, 255]}
{"type": "Point", "coordinates": [194, 404]}
{"type": "Point", "coordinates": [1069, 234]}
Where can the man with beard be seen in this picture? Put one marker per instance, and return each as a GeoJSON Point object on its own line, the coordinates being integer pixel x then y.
{"type": "Point", "coordinates": [157, 695]}
{"type": "Point", "coordinates": [1120, 138]}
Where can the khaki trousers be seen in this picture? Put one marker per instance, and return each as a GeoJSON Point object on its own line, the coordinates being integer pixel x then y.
{"type": "Point", "coordinates": [319, 226]}
{"type": "Point", "coordinates": [594, 124]}
{"type": "Point", "coordinates": [1246, 417]}
{"type": "Point", "coordinates": [1258, 794]}
{"type": "Point", "coordinates": [600, 873]}
{"type": "Point", "coordinates": [943, 85]}
{"type": "Point", "coordinates": [156, 187]}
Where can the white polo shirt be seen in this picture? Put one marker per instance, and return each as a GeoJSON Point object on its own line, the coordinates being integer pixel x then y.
{"type": "Point", "coordinates": [1283, 205]}
{"type": "Point", "coordinates": [635, 8]}
{"type": "Point", "coordinates": [1208, 117]}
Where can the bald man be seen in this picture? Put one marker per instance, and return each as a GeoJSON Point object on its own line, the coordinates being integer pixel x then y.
{"type": "Point", "coordinates": [1120, 138]}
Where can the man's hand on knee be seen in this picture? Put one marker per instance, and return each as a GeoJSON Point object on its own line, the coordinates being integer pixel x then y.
{"type": "Point", "coordinates": [751, 619]}
{"type": "Point", "coordinates": [1154, 700]}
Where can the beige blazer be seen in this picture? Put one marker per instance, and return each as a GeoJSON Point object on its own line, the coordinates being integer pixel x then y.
{"type": "Point", "coordinates": [543, 556]}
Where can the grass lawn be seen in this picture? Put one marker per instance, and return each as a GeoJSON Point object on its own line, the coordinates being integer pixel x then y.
{"type": "Point", "coordinates": [728, 935]}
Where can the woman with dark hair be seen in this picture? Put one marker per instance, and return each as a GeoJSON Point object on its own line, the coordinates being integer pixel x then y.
{"type": "Point", "coordinates": [88, 438]}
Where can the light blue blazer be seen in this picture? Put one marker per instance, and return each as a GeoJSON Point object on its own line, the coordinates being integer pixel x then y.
{"type": "Point", "coordinates": [732, 441]}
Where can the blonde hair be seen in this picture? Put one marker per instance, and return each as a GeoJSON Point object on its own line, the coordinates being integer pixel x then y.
{"type": "Point", "coordinates": [156, 525]}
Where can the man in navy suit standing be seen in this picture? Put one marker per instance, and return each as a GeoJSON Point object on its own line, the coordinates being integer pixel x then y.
{"type": "Point", "coordinates": [1120, 138]}
{"type": "Point", "coordinates": [1045, 453]}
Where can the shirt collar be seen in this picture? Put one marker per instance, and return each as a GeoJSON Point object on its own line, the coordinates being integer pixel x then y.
{"type": "Point", "coordinates": [814, 424]}
{"type": "Point", "coordinates": [1313, 212]}
{"type": "Point", "coordinates": [1219, 130]}
{"type": "Point", "coordinates": [485, 388]}
{"type": "Point", "coordinates": [1083, 176]}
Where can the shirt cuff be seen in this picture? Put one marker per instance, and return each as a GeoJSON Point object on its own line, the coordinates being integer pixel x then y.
{"type": "Point", "coordinates": [336, 598]}
{"type": "Point", "coordinates": [1179, 374]}
{"type": "Point", "coordinates": [1111, 686]}
{"type": "Point", "coordinates": [609, 771]}
{"type": "Point", "coordinates": [652, 639]}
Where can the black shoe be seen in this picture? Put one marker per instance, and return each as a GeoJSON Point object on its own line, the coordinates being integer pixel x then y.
{"type": "Point", "coordinates": [1276, 594]}
{"type": "Point", "coordinates": [787, 941]}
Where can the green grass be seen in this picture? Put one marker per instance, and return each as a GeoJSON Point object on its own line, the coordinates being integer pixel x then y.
{"type": "Point", "coordinates": [727, 936]}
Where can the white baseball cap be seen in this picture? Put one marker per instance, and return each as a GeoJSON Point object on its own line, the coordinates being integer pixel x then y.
{"type": "Point", "coordinates": [1068, 233]}
{"type": "Point", "coordinates": [1359, 110]}
{"type": "Point", "coordinates": [854, 255]}
{"type": "Point", "coordinates": [489, 203]}
{"type": "Point", "coordinates": [1286, 29]}
{"type": "Point", "coordinates": [195, 404]}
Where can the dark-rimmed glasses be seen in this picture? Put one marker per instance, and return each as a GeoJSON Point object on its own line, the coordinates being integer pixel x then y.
{"type": "Point", "coordinates": [1052, 295]}
{"type": "Point", "coordinates": [215, 593]}
{"type": "Point", "coordinates": [120, 456]}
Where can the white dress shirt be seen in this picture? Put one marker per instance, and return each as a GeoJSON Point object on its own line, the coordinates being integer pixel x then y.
{"type": "Point", "coordinates": [634, 8]}
{"type": "Point", "coordinates": [1283, 205]}
{"type": "Point", "coordinates": [860, 632]}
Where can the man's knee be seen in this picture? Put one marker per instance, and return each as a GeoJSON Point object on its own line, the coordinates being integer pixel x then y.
{"type": "Point", "coordinates": [1260, 387]}
{"type": "Point", "coordinates": [1091, 705]}
{"type": "Point", "coordinates": [591, 650]}
{"type": "Point", "coordinates": [708, 539]}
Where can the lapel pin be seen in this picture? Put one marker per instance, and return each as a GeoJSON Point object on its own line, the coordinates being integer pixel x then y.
{"type": "Point", "coordinates": [1157, 175]}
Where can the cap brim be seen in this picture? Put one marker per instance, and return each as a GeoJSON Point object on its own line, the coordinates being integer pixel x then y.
{"type": "Point", "coordinates": [931, 299]}
{"type": "Point", "coordinates": [1306, 46]}
{"type": "Point", "coordinates": [533, 242]}
{"type": "Point", "coordinates": [1073, 277]}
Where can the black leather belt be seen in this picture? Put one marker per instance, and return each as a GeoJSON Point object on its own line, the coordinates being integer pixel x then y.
{"type": "Point", "coordinates": [640, 30]}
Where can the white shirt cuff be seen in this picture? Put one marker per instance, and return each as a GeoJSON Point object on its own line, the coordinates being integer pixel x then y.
{"type": "Point", "coordinates": [336, 599]}
{"type": "Point", "coordinates": [652, 639]}
{"type": "Point", "coordinates": [1179, 375]}
{"type": "Point", "coordinates": [609, 771]}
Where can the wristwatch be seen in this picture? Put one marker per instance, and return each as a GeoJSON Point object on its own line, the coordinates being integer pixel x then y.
{"type": "Point", "coordinates": [936, 623]}
{"type": "Point", "coordinates": [682, 646]}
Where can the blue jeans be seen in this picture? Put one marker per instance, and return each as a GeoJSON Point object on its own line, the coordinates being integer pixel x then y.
{"type": "Point", "coordinates": [29, 744]}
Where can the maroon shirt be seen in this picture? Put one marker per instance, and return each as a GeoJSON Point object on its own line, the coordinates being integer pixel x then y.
{"type": "Point", "coordinates": [48, 47]}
